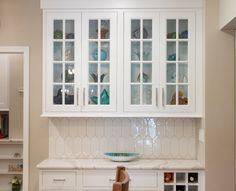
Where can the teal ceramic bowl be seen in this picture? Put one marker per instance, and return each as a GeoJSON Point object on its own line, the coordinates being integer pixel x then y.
{"type": "Point", "coordinates": [121, 157]}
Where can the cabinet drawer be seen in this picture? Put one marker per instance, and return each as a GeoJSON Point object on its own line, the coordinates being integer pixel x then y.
{"type": "Point", "coordinates": [142, 178]}
{"type": "Point", "coordinates": [62, 179]}
{"type": "Point", "coordinates": [97, 178]}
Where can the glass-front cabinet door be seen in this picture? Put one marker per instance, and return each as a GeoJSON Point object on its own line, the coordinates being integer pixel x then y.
{"type": "Point", "coordinates": [177, 62]}
{"type": "Point", "coordinates": [62, 68]}
{"type": "Point", "coordinates": [140, 65]}
{"type": "Point", "coordinates": [99, 60]}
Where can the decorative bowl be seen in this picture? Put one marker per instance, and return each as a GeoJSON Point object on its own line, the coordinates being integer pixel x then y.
{"type": "Point", "coordinates": [121, 157]}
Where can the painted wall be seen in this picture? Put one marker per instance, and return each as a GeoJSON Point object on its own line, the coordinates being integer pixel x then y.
{"type": "Point", "coordinates": [227, 11]}
{"type": "Point", "coordinates": [219, 103]}
{"type": "Point", "coordinates": [21, 24]}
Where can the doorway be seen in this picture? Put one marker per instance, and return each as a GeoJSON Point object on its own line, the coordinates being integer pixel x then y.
{"type": "Point", "coordinates": [14, 115]}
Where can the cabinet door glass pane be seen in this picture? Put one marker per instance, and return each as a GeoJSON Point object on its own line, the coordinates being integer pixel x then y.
{"type": "Point", "coordinates": [93, 51]}
{"type": "Point", "coordinates": [171, 28]}
{"type": "Point", "coordinates": [169, 177]}
{"type": "Point", "coordinates": [147, 51]}
{"type": "Point", "coordinates": [141, 62]}
{"type": "Point", "coordinates": [180, 188]}
{"type": "Point", "coordinates": [180, 177]}
{"type": "Point", "coordinates": [171, 51]}
{"type": "Point", "coordinates": [104, 53]}
{"type": "Point", "coordinates": [105, 73]}
{"type": "Point", "coordinates": [183, 28]}
{"type": "Point", "coordinates": [147, 73]}
{"type": "Point", "coordinates": [192, 188]}
{"type": "Point", "coordinates": [135, 29]}
{"type": "Point", "coordinates": [183, 51]}
{"type": "Point", "coordinates": [69, 51]}
{"type": "Point", "coordinates": [147, 29]}
{"type": "Point", "coordinates": [70, 33]}
{"type": "Point", "coordinates": [69, 94]}
{"type": "Point", "coordinates": [93, 95]}
{"type": "Point", "coordinates": [104, 96]}
{"type": "Point", "coordinates": [183, 95]}
{"type": "Point", "coordinates": [64, 62]}
{"type": "Point", "coordinates": [147, 94]}
{"type": "Point", "coordinates": [57, 94]}
{"type": "Point", "coordinates": [135, 51]}
{"type": "Point", "coordinates": [69, 73]}
{"type": "Point", "coordinates": [58, 29]}
{"type": "Point", "coordinates": [192, 177]}
{"type": "Point", "coordinates": [93, 29]}
{"type": "Point", "coordinates": [168, 188]}
{"type": "Point", "coordinates": [135, 72]}
{"type": "Point", "coordinates": [57, 73]}
{"type": "Point", "coordinates": [171, 95]}
{"type": "Point", "coordinates": [135, 94]}
{"type": "Point", "coordinates": [105, 29]}
{"type": "Point", "coordinates": [57, 51]}
{"type": "Point", "coordinates": [171, 73]}
{"type": "Point", "coordinates": [183, 73]}
{"type": "Point", "coordinates": [93, 72]}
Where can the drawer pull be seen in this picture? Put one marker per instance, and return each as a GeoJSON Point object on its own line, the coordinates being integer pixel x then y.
{"type": "Point", "coordinates": [113, 180]}
{"type": "Point", "coordinates": [59, 180]}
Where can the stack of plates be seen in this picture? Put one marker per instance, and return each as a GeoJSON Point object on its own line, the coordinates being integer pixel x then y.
{"type": "Point", "coordinates": [121, 157]}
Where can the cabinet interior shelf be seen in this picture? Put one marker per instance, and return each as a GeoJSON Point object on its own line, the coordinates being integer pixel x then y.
{"type": "Point", "coordinates": [5, 157]}
{"type": "Point", "coordinates": [11, 141]}
{"type": "Point", "coordinates": [10, 173]}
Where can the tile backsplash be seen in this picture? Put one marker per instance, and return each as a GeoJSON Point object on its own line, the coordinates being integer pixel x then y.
{"type": "Point", "coordinates": [160, 138]}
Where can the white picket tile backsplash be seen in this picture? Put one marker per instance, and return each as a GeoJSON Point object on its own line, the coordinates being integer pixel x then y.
{"type": "Point", "coordinates": [151, 137]}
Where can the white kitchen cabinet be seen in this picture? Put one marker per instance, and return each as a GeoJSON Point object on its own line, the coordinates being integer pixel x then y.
{"type": "Point", "coordinates": [99, 60]}
{"type": "Point", "coordinates": [103, 179]}
{"type": "Point", "coordinates": [177, 62]}
{"type": "Point", "coordinates": [4, 83]}
{"type": "Point", "coordinates": [110, 62]}
{"type": "Point", "coordinates": [79, 62]}
{"type": "Point", "coordinates": [141, 55]}
{"type": "Point", "coordinates": [54, 180]}
{"type": "Point", "coordinates": [160, 61]}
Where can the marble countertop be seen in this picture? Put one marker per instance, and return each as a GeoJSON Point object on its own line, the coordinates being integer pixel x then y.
{"type": "Point", "coordinates": [106, 164]}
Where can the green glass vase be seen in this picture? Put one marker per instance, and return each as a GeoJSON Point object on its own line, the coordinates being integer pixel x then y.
{"type": "Point", "coordinates": [16, 187]}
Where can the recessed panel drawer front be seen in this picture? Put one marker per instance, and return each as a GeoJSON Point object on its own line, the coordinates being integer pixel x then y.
{"type": "Point", "coordinates": [98, 178]}
{"type": "Point", "coordinates": [59, 179]}
{"type": "Point", "coordinates": [143, 179]}
{"type": "Point", "coordinates": [105, 178]}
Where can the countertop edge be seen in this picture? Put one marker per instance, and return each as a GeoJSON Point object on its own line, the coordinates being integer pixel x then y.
{"type": "Point", "coordinates": [103, 164]}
